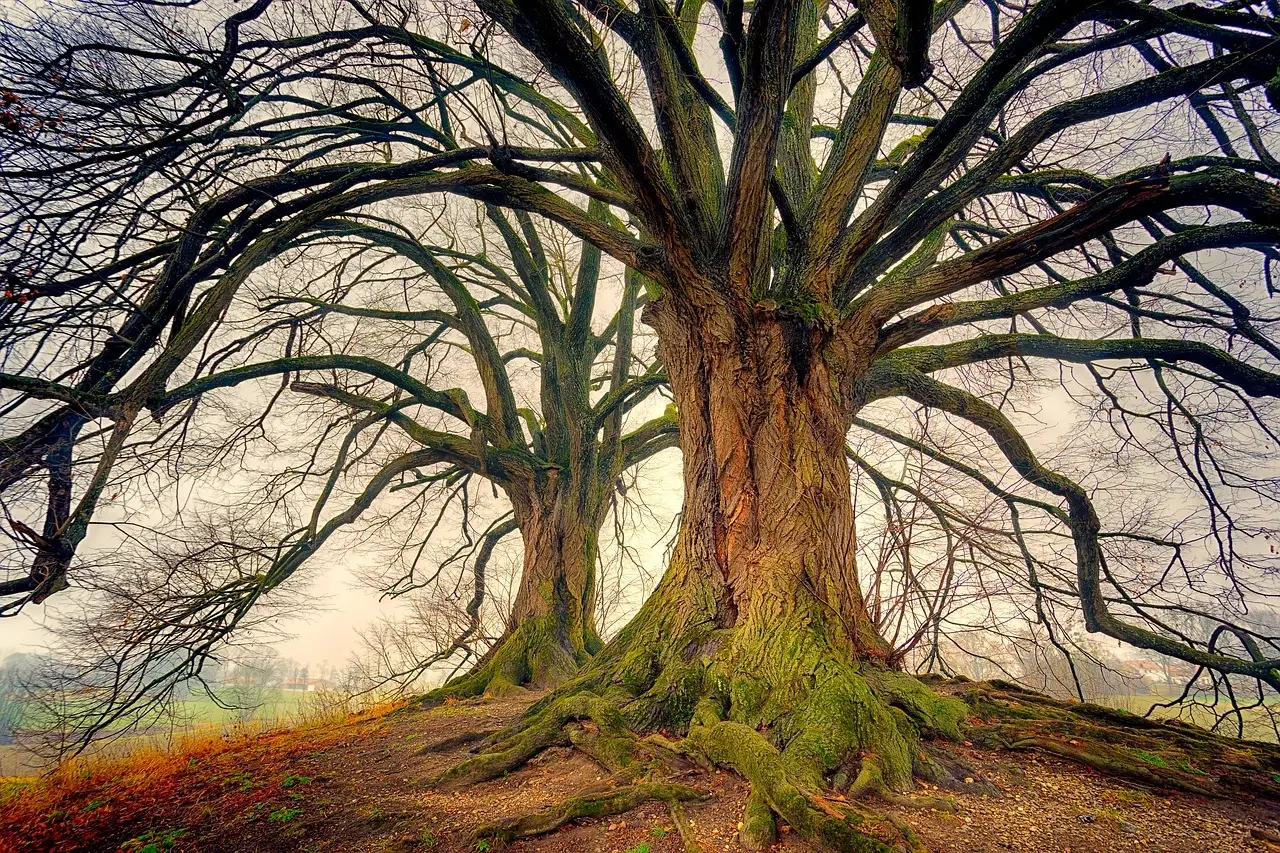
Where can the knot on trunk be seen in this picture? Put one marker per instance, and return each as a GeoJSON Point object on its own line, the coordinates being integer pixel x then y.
{"type": "Point", "coordinates": [801, 334]}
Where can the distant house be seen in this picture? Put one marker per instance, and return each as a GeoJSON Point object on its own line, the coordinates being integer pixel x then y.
{"type": "Point", "coordinates": [1145, 668]}
{"type": "Point", "coordinates": [304, 685]}
{"type": "Point", "coordinates": [1160, 673]}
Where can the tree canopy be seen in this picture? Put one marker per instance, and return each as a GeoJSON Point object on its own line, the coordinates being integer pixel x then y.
{"type": "Point", "coordinates": [838, 213]}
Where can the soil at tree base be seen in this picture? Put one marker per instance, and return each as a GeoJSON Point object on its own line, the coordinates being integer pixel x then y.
{"type": "Point", "coordinates": [358, 785]}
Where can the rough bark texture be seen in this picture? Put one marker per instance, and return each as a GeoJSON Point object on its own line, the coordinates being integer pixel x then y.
{"type": "Point", "coordinates": [551, 631]}
{"type": "Point", "coordinates": [757, 643]}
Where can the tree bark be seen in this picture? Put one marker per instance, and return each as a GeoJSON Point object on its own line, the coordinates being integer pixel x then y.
{"type": "Point", "coordinates": [757, 639]}
{"type": "Point", "coordinates": [550, 632]}
{"type": "Point", "coordinates": [764, 411]}
{"type": "Point", "coordinates": [757, 643]}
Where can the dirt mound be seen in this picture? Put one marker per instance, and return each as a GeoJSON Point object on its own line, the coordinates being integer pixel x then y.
{"type": "Point", "coordinates": [360, 785]}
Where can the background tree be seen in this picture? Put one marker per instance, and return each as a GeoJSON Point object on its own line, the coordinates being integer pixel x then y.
{"type": "Point", "coordinates": [557, 459]}
{"type": "Point", "coordinates": [557, 455]}
{"type": "Point", "coordinates": [16, 670]}
{"type": "Point", "coordinates": [253, 682]}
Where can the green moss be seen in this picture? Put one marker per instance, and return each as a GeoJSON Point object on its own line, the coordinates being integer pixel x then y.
{"type": "Point", "coordinates": [759, 829]}
{"type": "Point", "coordinates": [543, 729]}
{"type": "Point", "coordinates": [747, 695]}
{"type": "Point", "coordinates": [1152, 759]}
{"type": "Point", "coordinates": [789, 679]}
{"type": "Point", "coordinates": [933, 714]}
{"type": "Point", "coordinates": [532, 654]}
{"type": "Point", "coordinates": [670, 702]}
{"type": "Point", "coordinates": [905, 149]}
{"type": "Point", "coordinates": [743, 749]}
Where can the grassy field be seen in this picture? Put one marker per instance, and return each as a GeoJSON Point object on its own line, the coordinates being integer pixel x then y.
{"type": "Point", "coordinates": [1258, 722]}
{"type": "Point", "coordinates": [194, 713]}
{"type": "Point", "coordinates": [278, 707]}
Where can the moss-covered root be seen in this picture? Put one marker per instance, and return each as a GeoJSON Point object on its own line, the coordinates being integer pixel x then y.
{"type": "Point", "coordinates": [544, 730]}
{"type": "Point", "coordinates": [1160, 754]}
{"type": "Point", "coordinates": [1110, 763]}
{"type": "Point", "coordinates": [759, 829]}
{"type": "Point", "coordinates": [676, 809]}
{"type": "Point", "coordinates": [870, 782]}
{"type": "Point", "coordinates": [613, 802]}
{"type": "Point", "coordinates": [745, 751]}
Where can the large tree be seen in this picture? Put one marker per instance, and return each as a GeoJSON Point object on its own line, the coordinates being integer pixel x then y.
{"type": "Point", "coordinates": [800, 272]}
{"type": "Point", "coordinates": [827, 221]}
{"type": "Point", "coordinates": [513, 301]}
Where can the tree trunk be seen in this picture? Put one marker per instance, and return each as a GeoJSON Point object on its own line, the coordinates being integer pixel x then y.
{"type": "Point", "coordinates": [758, 626]}
{"type": "Point", "coordinates": [757, 643]}
{"type": "Point", "coordinates": [551, 631]}
{"type": "Point", "coordinates": [768, 513]}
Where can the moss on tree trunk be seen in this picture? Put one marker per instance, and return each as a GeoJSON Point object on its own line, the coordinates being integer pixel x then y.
{"type": "Point", "coordinates": [551, 631]}
{"type": "Point", "coordinates": [756, 645]}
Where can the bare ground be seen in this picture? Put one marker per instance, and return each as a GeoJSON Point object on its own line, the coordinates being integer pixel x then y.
{"type": "Point", "coordinates": [359, 785]}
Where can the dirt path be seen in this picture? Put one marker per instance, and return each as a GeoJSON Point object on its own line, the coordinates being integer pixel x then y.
{"type": "Point", "coordinates": [358, 786]}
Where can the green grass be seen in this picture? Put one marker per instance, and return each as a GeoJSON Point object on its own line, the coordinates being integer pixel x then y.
{"type": "Point", "coordinates": [1257, 721]}
{"type": "Point", "coordinates": [1152, 759]}
{"type": "Point", "coordinates": [294, 779]}
{"type": "Point", "coordinates": [201, 709]}
{"type": "Point", "coordinates": [243, 780]}
{"type": "Point", "coordinates": [13, 788]}
{"type": "Point", "coordinates": [153, 841]}
{"type": "Point", "coordinates": [283, 815]}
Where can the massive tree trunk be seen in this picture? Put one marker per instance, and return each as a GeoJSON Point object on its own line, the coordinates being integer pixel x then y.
{"type": "Point", "coordinates": [757, 644]}
{"type": "Point", "coordinates": [550, 631]}
{"type": "Point", "coordinates": [757, 641]}
{"type": "Point", "coordinates": [768, 517]}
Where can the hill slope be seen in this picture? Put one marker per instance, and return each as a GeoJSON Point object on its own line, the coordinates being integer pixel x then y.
{"type": "Point", "coordinates": [359, 784]}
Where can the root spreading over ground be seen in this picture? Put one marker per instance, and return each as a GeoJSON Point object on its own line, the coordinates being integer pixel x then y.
{"type": "Point", "coordinates": [828, 745]}
{"type": "Point", "coordinates": [363, 783]}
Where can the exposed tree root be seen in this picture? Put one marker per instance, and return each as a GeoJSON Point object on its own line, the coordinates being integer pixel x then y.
{"type": "Point", "coordinates": [837, 827]}
{"type": "Point", "coordinates": [806, 725]}
{"type": "Point", "coordinates": [612, 802]}
{"type": "Point", "coordinates": [759, 829]}
{"type": "Point", "coordinates": [870, 782]}
{"type": "Point", "coordinates": [451, 743]}
{"type": "Point", "coordinates": [511, 749]}
{"type": "Point", "coordinates": [1161, 754]}
{"type": "Point", "coordinates": [777, 706]}
{"type": "Point", "coordinates": [681, 823]}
